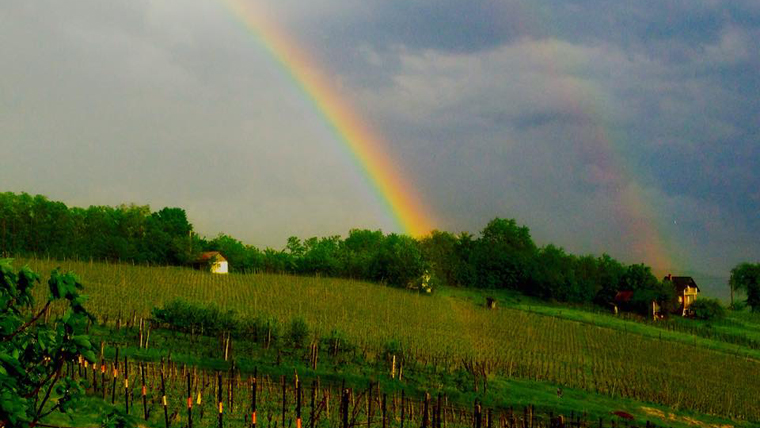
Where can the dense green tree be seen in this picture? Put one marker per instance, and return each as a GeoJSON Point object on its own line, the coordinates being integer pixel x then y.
{"type": "Point", "coordinates": [358, 250]}
{"type": "Point", "coordinates": [398, 261]}
{"type": "Point", "coordinates": [295, 247]}
{"type": "Point", "coordinates": [465, 273]}
{"type": "Point", "coordinates": [746, 277]}
{"type": "Point", "coordinates": [646, 288]}
{"type": "Point", "coordinates": [440, 250]}
{"type": "Point", "coordinates": [554, 276]}
{"type": "Point", "coordinates": [610, 275]}
{"type": "Point", "coordinates": [588, 277]}
{"type": "Point", "coordinates": [35, 225]}
{"type": "Point", "coordinates": [321, 256]}
{"type": "Point", "coordinates": [277, 261]}
{"type": "Point", "coordinates": [503, 255]}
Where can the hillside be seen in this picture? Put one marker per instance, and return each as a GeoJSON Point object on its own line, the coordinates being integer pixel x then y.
{"type": "Point", "coordinates": [609, 357]}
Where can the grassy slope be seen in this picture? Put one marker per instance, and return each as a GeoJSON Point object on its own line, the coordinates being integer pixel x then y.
{"type": "Point", "coordinates": [739, 324]}
{"type": "Point", "coordinates": [595, 356]}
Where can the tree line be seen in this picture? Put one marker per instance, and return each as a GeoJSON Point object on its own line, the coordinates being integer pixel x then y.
{"type": "Point", "coordinates": [502, 256]}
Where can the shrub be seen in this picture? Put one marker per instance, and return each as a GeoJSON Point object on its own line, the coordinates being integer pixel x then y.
{"type": "Point", "coordinates": [270, 331]}
{"type": "Point", "coordinates": [336, 342]}
{"type": "Point", "coordinates": [393, 347]}
{"type": "Point", "coordinates": [196, 318]}
{"type": "Point", "coordinates": [298, 332]}
{"type": "Point", "coordinates": [707, 309]}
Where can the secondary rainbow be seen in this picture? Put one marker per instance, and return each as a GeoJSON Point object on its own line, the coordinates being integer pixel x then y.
{"type": "Point", "coordinates": [643, 235]}
{"type": "Point", "coordinates": [365, 146]}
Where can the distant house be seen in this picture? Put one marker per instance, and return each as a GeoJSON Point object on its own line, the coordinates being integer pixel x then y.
{"type": "Point", "coordinates": [490, 302]}
{"type": "Point", "coordinates": [621, 301]}
{"type": "Point", "coordinates": [213, 261]}
{"type": "Point", "coordinates": [686, 291]}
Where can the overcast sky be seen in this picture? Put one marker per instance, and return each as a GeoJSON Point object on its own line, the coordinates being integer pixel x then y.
{"type": "Point", "coordinates": [546, 111]}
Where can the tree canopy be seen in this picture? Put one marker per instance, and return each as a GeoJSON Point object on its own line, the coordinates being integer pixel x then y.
{"type": "Point", "coordinates": [502, 255]}
{"type": "Point", "coordinates": [746, 277]}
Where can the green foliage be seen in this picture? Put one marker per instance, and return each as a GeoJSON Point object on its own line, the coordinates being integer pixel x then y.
{"type": "Point", "coordinates": [707, 309]}
{"type": "Point", "coordinates": [298, 332]}
{"type": "Point", "coordinates": [746, 277]}
{"type": "Point", "coordinates": [196, 318]}
{"type": "Point", "coordinates": [337, 342]}
{"type": "Point", "coordinates": [32, 354]}
{"type": "Point", "coordinates": [393, 347]}
{"type": "Point", "coordinates": [398, 261]}
{"type": "Point", "coordinates": [557, 275]}
{"type": "Point", "coordinates": [503, 256]}
{"type": "Point", "coordinates": [35, 225]}
{"type": "Point", "coordinates": [439, 249]}
{"type": "Point", "coordinates": [646, 288]}
{"type": "Point", "coordinates": [609, 275]}
{"type": "Point", "coordinates": [115, 419]}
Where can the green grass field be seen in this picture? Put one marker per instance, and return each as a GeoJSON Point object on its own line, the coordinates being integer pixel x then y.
{"type": "Point", "coordinates": [520, 343]}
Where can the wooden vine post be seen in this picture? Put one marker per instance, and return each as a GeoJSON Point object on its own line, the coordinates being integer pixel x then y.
{"type": "Point", "coordinates": [403, 407]}
{"type": "Point", "coordinates": [163, 397]}
{"type": "Point", "coordinates": [369, 405]}
{"type": "Point", "coordinates": [189, 401]}
{"type": "Point", "coordinates": [426, 412]}
{"type": "Point", "coordinates": [144, 391]}
{"type": "Point", "coordinates": [253, 399]}
{"type": "Point", "coordinates": [126, 385]}
{"type": "Point", "coordinates": [115, 375]}
{"type": "Point", "coordinates": [284, 398]}
{"type": "Point", "coordinates": [220, 398]}
{"type": "Point", "coordinates": [103, 377]}
{"type": "Point", "coordinates": [384, 409]}
{"type": "Point", "coordinates": [312, 415]}
{"type": "Point", "coordinates": [344, 408]}
{"type": "Point", "coordinates": [298, 403]}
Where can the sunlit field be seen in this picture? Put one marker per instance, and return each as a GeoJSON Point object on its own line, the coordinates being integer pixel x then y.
{"type": "Point", "coordinates": [447, 331]}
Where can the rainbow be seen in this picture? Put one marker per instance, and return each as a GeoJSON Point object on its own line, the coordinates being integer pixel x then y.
{"type": "Point", "coordinates": [643, 235]}
{"type": "Point", "coordinates": [637, 217]}
{"type": "Point", "coordinates": [364, 145]}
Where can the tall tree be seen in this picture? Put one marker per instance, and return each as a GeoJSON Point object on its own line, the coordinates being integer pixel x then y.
{"type": "Point", "coordinates": [440, 250]}
{"type": "Point", "coordinates": [503, 255]}
{"type": "Point", "coordinates": [746, 277]}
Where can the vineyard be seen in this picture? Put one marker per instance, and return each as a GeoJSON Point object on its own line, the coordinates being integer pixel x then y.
{"type": "Point", "coordinates": [449, 333]}
{"type": "Point", "coordinates": [167, 394]}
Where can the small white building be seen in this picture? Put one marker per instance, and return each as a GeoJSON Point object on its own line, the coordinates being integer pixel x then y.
{"type": "Point", "coordinates": [213, 261]}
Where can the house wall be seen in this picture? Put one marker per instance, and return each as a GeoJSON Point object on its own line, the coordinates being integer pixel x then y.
{"type": "Point", "coordinates": [689, 296]}
{"type": "Point", "coordinates": [219, 267]}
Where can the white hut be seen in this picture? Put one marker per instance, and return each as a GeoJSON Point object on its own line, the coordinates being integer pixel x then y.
{"type": "Point", "coordinates": [213, 261]}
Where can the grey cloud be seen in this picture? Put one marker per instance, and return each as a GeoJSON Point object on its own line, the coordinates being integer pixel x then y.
{"type": "Point", "coordinates": [494, 108]}
{"type": "Point", "coordinates": [515, 130]}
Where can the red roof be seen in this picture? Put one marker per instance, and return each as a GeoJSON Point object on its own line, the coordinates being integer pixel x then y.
{"type": "Point", "coordinates": [209, 255]}
{"type": "Point", "coordinates": [623, 296]}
